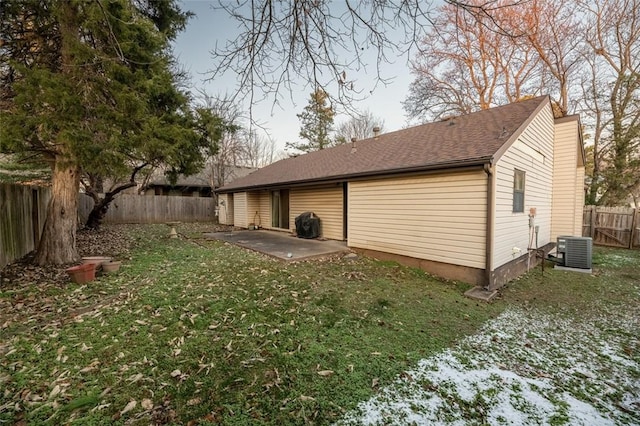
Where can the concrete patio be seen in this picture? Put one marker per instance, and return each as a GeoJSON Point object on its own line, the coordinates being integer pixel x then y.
{"type": "Point", "coordinates": [281, 245]}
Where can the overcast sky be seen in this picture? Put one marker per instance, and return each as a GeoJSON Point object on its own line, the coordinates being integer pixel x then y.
{"type": "Point", "coordinates": [208, 26]}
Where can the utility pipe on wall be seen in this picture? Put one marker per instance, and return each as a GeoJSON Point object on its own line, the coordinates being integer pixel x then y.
{"type": "Point", "coordinates": [489, 231]}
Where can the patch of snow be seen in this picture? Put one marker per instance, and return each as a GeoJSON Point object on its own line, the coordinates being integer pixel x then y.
{"type": "Point", "coordinates": [524, 367]}
{"type": "Point", "coordinates": [607, 350]}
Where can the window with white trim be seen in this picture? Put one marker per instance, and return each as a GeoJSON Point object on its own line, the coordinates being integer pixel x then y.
{"type": "Point", "coordinates": [518, 191]}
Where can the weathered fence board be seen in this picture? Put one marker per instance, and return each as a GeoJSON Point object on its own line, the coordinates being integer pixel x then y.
{"type": "Point", "coordinates": [22, 215]}
{"type": "Point", "coordinates": [129, 208]}
{"type": "Point", "coordinates": [612, 226]}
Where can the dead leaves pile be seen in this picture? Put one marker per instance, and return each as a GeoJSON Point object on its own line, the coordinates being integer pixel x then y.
{"type": "Point", "coordinates": [110, 240]}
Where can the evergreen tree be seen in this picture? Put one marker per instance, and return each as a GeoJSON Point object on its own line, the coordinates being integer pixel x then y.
{"type": "Point", "coordinates": [317, 123]}
{"type": "Point", "coordinates": [90, 89]}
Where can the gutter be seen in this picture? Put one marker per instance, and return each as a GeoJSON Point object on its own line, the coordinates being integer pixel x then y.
{"type": "Point", "coordinates": [488, 169]}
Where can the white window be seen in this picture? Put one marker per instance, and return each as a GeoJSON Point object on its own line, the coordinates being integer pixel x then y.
{"type": "Point", "coordinates": [518, 191]}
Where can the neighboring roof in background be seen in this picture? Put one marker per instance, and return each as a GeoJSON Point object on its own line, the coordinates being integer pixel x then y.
{"type": "Point", "coordinates": [456, 142]}
{"type": "Point", "coordinates": [203, 178]}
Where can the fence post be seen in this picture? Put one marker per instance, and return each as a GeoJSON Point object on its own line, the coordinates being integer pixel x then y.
{"type": "Point", "coordinates": [633, 228]}
{"type": "Point", "coordinates": [592, 228]}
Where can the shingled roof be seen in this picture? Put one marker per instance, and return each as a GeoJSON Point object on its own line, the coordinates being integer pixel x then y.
{"type": "Point", "coordinates": [466, 140]}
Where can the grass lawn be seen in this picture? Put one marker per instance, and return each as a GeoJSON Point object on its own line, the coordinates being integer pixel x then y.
{"type": "Point", "coordinates": [192, 331]}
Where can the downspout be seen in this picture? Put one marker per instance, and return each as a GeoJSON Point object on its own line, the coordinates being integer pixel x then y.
{"type": "Point", "coordinates": [489, 231]}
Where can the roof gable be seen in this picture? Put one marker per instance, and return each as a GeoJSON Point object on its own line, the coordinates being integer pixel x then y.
{"type": "Point", "coordinates": [460, 141]}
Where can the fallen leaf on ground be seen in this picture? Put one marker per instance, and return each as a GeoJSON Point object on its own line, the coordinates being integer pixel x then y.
{"type": "Point", "coordinates": [135, 377]}
{"type": "Point", "coordinates": [55, 391]}
{"type": "Point", "coordinates": [306, 398]}
{"type": "Point", "coordinates": [130, 406]}
{"type": "Point", "coordinates": [194, 401]}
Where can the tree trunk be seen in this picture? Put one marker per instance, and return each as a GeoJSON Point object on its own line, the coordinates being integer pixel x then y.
{"type": "Point", "coordinates": [97, 214]}
{"type": "Point", "coordinates": [101, 205]}
{"type": "Point", "coordinates": [100, 209]}
{"type": "Point", "coordinates": [58, 243]}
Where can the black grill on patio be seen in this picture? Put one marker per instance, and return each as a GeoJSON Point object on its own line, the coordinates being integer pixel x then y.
{"type": "Point", "coordinates": [308, 225]}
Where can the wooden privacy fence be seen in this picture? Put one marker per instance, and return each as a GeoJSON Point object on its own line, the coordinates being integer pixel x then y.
{"type": "Point", "coordinates": [612, 226]}
{"type": "Point", "coordinates": [23, 210]}
{"type": "Point", "coordinates": [129, 208]}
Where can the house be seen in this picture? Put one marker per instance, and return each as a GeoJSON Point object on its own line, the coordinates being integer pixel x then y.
{"type": "Point", "coordinates": [461, 198]}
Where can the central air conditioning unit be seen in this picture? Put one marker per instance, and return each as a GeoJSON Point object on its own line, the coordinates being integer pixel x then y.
{"type": "Point", "coordinates": [575, 251]}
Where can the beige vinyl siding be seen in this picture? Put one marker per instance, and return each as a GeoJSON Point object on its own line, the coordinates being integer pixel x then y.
{"type": "Point", "coordinates": [230, 210]}
{"type": "Point", "coordinates": [566, 183]}
{"type": "Point", "coordinates": [577, 227]}
{"type": "Point", "coordinates": [532, 153]}
{"type": "Point", "coordinates": [440, 218]}
{"type": "Point", "coordinates": [325, 202]}
{"type": "Point", "coordinates": [264, 207]}
{"type": "Point", "coordinates": [259, 208]}
{"type": "Point", "coordinates": [253, 207]}
{"type": "Point", "coordinates": [240, 210]}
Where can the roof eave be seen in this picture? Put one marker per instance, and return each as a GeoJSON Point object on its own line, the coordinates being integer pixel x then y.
{"type": "Point", "coordinates": [451, 165]}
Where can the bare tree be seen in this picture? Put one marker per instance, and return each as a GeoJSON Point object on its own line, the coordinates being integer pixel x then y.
{"type": "Point", "coordinates": [612, 97]}
{"type": "Point", "coordinates": [360, 127]}
{"type": "Point", "coordinates": [260, 151]}
{"type": "Point", "coordinates": [323, 44]}
{"type": "Point", "coordinates": [467, 63]}
{"type": "Point", "coordinates": [594, 105]}
{"type": "Point", "coordinates": [230, 149]}
{"type": "Point", "coordinates": [553, 29]}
